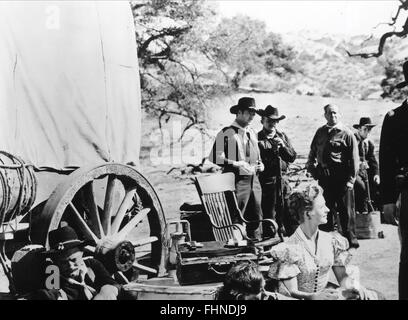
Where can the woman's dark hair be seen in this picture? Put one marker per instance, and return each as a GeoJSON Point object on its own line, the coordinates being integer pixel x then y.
{"type": "Point", "coordinates": [242, 279]}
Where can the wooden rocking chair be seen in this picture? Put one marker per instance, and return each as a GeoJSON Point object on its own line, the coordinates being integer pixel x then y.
{"type": "Point", "coordinates": [217, 193]}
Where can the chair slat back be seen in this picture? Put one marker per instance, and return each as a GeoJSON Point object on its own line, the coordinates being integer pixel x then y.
{"type": "Point", "coordinates": [212, 190]}
{"type": "Point", "coordinates": [216, 183]}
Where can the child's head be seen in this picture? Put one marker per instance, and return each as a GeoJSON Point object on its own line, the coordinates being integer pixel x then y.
{"type": "Point", "coordinates": [244, 282]}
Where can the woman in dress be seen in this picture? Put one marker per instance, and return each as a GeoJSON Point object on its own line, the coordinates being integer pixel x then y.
{"type": "Point", "coordinates": [302, 263]}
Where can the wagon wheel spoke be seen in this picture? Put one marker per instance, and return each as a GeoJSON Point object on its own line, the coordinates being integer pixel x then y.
{"type": "Point", "coordinates": [124, 207]}
{"type": "Point", "coordinates": [109, 204]}
{"type": "Point", "coordinates": [143, 242]}
{"type": "Point", "coordinates": [132, 224]}
{"type": "Point", "coordinates": [90, 199]}
{"type": "Point", "coordinates": [82, 225]}
{"type": "Point", "coordinates": [90, 249]}
{"type": "Point", "coordinates": [144, 268]}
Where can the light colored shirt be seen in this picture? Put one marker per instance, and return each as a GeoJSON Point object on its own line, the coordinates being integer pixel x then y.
{"type": "Point", "coordinates": [230, 145]}
{"type": "Point", "coordinates": [297, 257]}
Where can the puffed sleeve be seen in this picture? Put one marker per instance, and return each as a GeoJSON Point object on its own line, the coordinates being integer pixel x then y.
{"type": "Point", "coordinates": [285, 261]}
{"type": "Point", "coordinates": [340, 245]}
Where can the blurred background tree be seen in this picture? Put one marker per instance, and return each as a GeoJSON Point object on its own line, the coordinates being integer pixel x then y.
{"type": "Point", "coordinates": [240, 46]}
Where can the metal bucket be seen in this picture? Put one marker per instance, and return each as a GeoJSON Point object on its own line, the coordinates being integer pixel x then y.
{"type": "Point", "coordinates": [18, 187]}
{"type": "Point", "coordinates": [368, 225]}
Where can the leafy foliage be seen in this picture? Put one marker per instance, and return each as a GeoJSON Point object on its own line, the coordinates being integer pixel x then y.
{"type": "Point", "coordinates": [186, 58]}
{"type": "Point", "coordinates": [171, 84]}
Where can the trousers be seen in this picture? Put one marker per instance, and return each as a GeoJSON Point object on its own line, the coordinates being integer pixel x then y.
{"type": "Point", "coordinates": [275, 208]}
{"type": "Point", "coordinates": [249, 195]}
{"type": "Point", "coordinates": [403, 266]}
{"type": "Point", "coordinates": [361, 193]}
{"type": "Point", "coordinates": [339, 200]}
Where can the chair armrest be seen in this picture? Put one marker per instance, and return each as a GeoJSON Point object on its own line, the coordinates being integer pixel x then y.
{"type": "Point", "coordinates": [273, 222]}
{"type": "Point", "coordinates": [240, 228]}
{"type": "Point", "coordinates": [275, 225]}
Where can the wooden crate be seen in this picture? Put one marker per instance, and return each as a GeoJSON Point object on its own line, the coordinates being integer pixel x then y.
{"type": "Point", "coordinates": [169, 289]}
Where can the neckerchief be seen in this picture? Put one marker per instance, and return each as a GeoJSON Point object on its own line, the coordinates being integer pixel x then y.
{"type": "Point", "coordinates": [270, 135]}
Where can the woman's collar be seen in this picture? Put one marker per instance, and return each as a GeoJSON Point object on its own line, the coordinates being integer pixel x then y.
{"type": "Point", "coordinates": [303, 235]}
{"type": "Point", "coordinates": [307, 241]}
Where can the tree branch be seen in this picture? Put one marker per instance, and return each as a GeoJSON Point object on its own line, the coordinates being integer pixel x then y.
{"type": "Point", "coordinates": [163, 33]}
{"type": "Point", "coordinates": [381, 44]}
{"type": "Point", "coordinates": [385, 36]}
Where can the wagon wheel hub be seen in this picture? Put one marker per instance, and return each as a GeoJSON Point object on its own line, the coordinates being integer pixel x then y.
{"type": "Point", "coordinates": [116, 256]}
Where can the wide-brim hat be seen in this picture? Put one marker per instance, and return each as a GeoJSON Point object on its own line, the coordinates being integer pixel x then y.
{"type": "Point", "coordinates": [63, 241]}
{"type": "Point", "coordinates": [271, 113]}
{"type": "Point", "coordinates": [405, 72]}
{"type": "Point", "coordinates": [245, 103]}
{"type": "Point", "coordinates": [364, 122]}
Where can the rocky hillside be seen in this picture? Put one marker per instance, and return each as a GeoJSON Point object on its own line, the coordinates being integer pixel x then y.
{"type": "Point", "coordinates": [325, 69]}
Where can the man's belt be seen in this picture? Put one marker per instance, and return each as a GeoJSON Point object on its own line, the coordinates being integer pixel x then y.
{"type": "Point", "coordinates": [334, 170]}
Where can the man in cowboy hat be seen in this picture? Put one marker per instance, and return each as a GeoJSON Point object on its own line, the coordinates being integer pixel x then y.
{"type": "Point", "coordinates": [368, 174]}
{"type": "Point", "coordinates": [334, 161]}
{"type": "Point", "coordinates": [276, 154]}
{"type": "Point", "coordinates": [80, 279]}
{"type": "Point", "coordinates": [236, 150]}
{"type": "Point", "coordinates": [394, 178]}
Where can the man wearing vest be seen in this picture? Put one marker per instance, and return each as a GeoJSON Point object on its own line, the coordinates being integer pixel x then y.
{"type": "Point", "coordinates": [394, 178]}
{"type": "Point", "coordinates": [236, 150]}
{"type": "Point", "coordinates": [368, 176]}
{"type": "Point", "coordinates": [334, 161]}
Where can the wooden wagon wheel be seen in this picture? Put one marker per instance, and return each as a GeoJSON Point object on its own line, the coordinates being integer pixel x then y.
{"type": "Point", "coordinates": [116, 207]}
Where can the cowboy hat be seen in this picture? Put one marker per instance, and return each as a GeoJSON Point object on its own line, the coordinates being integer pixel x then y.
{"type": "Point", "coordinates": [63, 240]}
{"type": "Point", "coordinates": [364, 121]}
{"type": "Point", "coordinates": [245, 103]}
{"type": "Point", "coordinates": [271, 113]}
{"type": "Point", "coordinates": [405, 72]}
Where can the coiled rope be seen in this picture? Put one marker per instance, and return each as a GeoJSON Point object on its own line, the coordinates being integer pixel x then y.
{"type": "Point", "coordinates": [18, 188]}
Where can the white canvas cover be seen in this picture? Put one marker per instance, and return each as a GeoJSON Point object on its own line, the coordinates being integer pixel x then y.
{"type": "Point", "coordinates": [69, 82]}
